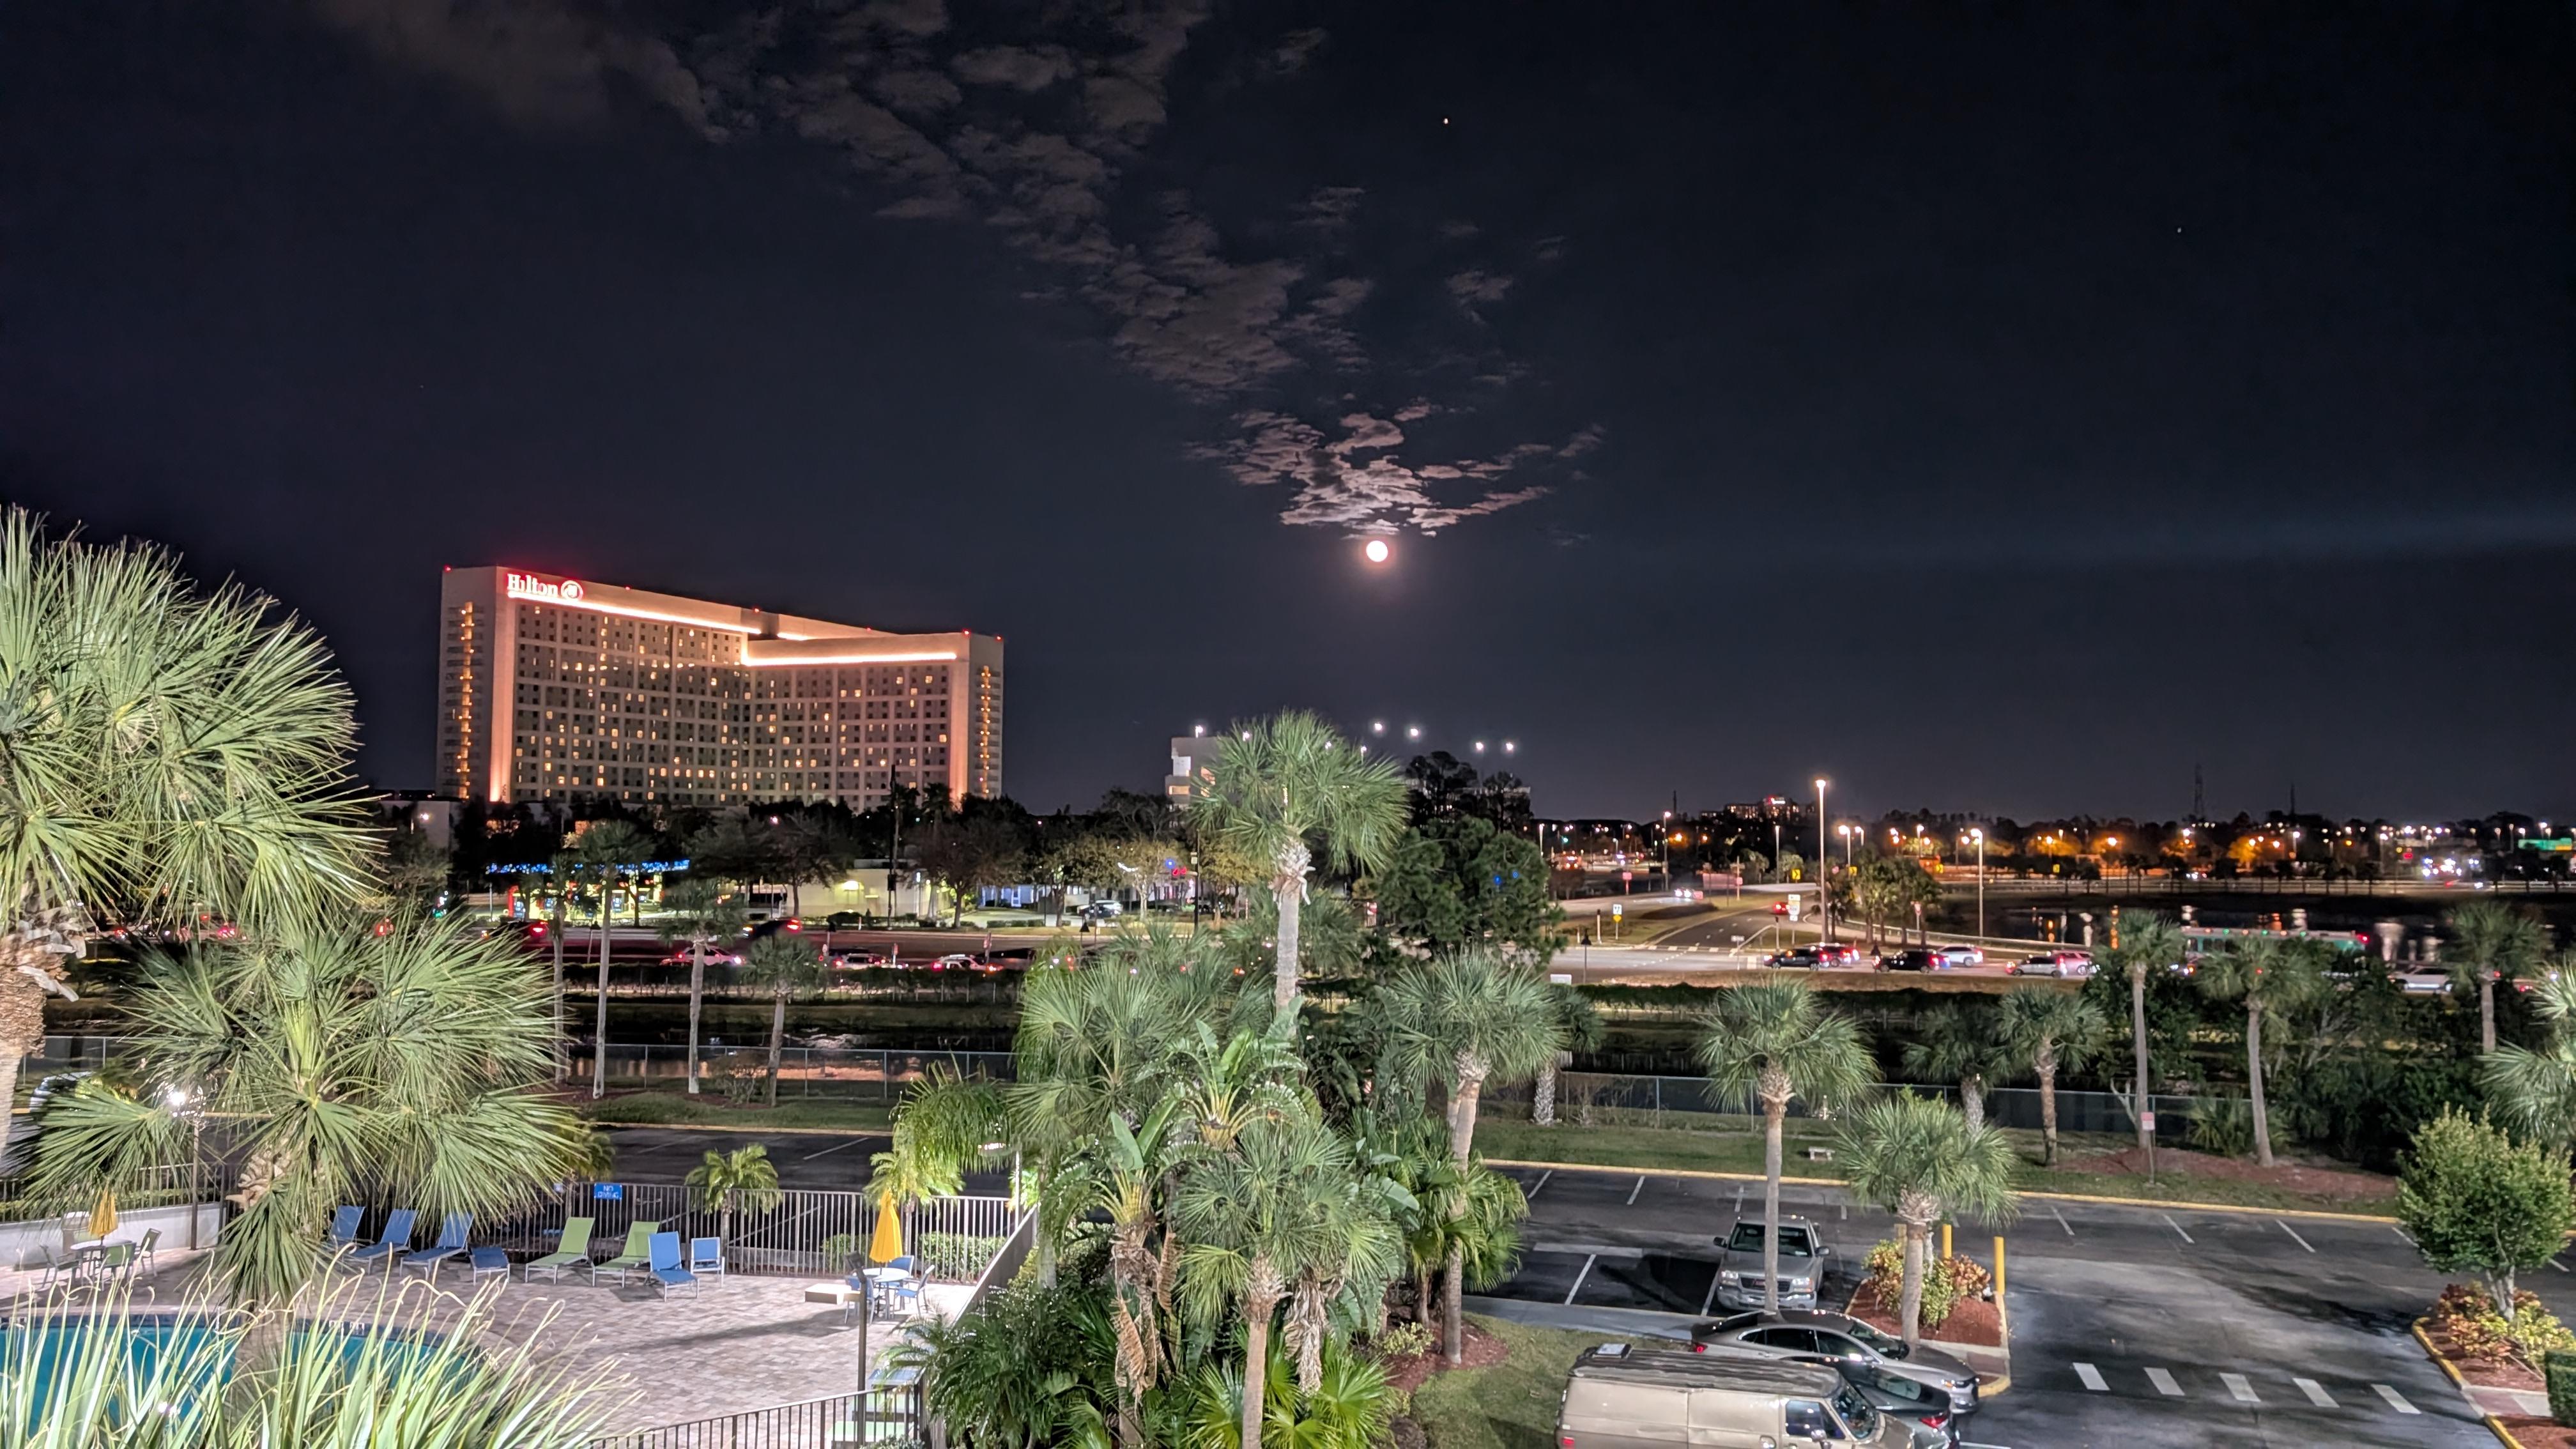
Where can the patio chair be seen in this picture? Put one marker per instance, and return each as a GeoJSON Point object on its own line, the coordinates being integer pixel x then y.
{"type": "Point", "coordinates": [706, 1257]}
{"type": "Point", "coordinates": [143, 1251]}
{"type": "Point", "coordinates": [489, 1261]}
{"type": "Point", "coordinates": [58, 1266]}
{"type": "Point", "coordinates": [906, 1296]}
{"type": "Point", "coordinates": [113, 1265]}
{"type": "Point", "coordinates": [663, 1258]}
{"type": "Point", "coordinates": [572, 1252]}
{"type": "Point", "coordinates": [397, 1239]}
{"type": "Point", "coordinates": [452, 1232]}
{"type": "Point", "coordinates": [635, 1257]}
{"type": "Point", "coordinates": [344, 1228]}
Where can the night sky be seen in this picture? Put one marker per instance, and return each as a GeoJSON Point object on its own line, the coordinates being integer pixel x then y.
{"type": "Point", "coordinates": [2000, 407]}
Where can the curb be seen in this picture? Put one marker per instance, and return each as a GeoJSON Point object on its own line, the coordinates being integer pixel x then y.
{"type": "Point", "coordinates": [2152, 1202]}
{"type": "Point", "coordinates": [2451, 1370]}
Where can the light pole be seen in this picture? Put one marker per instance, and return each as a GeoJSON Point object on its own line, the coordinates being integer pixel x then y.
{"type": "Point", "coordinates": [177, 1099]}
{"type": "Point", "coordinates": [1824, 902]}
{"type": "Point", "coordinates": [1979, 836]}
{"type": "Point", "coordinates": [1668, 850]}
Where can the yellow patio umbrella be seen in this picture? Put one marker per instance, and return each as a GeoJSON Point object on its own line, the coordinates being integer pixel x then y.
{"type": "Point", "coordinates": [887, 1245]}
{"type": "Point", "coordinates": [102, 1218]}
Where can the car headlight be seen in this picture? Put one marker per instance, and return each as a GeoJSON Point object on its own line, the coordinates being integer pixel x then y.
{"type": "Point", "coordinates": [1731, 1278]}
{"type": "Point", "coordinates": [1802, 1285]}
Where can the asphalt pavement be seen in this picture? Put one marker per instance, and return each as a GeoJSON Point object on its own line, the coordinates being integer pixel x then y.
{"type": "Point", "coordinates": [818, 1161]}
{"type": "Point", "coordinates": [2131, 1326]}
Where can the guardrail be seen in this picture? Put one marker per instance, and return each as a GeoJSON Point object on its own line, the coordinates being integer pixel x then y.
{"type": "Point", "coordinates": [844, 1419]}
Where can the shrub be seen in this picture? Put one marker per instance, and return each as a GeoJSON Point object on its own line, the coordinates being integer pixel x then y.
{"type": "Point", "coordinates": [2558, 1371]}
{"type": "Point", "coordinates": [954, 1256]}
{"type": "Point", "coordinates": [1401, 1341]}
{"type": "Point", "coordinates": [2223, 1126]}
{"type": "Point", "coordinates": [2475, 1201]}
{"type": "Point", "coordinates": [1887, 1278]}
{"type": "Point", "coordinates": [2467, 1316]}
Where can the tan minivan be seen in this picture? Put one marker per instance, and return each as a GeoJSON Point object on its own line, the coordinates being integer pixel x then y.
{"type": "Point", "coordinates": [1630, 1396]}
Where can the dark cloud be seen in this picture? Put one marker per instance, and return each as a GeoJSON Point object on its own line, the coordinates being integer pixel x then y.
{"type": "Point", "coordinates": [1037, 126]}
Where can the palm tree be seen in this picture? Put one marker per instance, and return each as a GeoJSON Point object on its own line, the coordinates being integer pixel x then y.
{"type": "Point", "coordinates": [2055, 1031]}
{"type": "Point", "coordinates": [1921, 1161]}
{"type": "Point", "coordinates": [605, 847]}
{"type": "Point", "coordinates": [343, 1065]}
{"type": "Point", "coordinates": [1466, 1018]}
{"type": "Point", "coordinates": [1133, 1166]}
{"type": "Point", "coordinates": [2535, 1090]}
{"type": "Point", "coordinates": [785, 965]}
{"type": "Point", "coordinates": [700, 914]}
{"type": "Point", "coordinates": [1772, 1041]}
{"type": "Point", "coordinates": [561, 872]}
{"type": "Point", "coordinates": [2266, 975]}
{"type": "Point", "coordinates": [2490, 941]}
{"type": "Point", "coordinates": [1281, 787]}
{"type": "Point", "coordinates": [1953, 1043]}
{"type": "Point", "coordinates": [1581, 1022]}
{"type": "Point", "coordinates": [2142, 942]}
{"type": "Point", "coordinates": [169, 754]}
{"type": "Point", "coordinates": [1256, 1220]}
{"type": "Point", "coordinates": [744, 1178]}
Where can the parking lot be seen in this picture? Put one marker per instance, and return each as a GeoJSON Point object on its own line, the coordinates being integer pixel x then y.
{"type": "Point", "coordinates": [2131, 1326]}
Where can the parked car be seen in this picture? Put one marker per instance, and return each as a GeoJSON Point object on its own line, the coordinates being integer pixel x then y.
{"type": "Point", "coordinates": [1923, 1409]}
{"type": "Point", "coordinates": [2423, 980]}
{"type": "Point", "coordinates": [1103, 911]}
{"type": "Point", "coordinates": [954, 961]}
{"type": "Point", "coordinates": [1837, 953]}
{"type": "Point", "coordinates": [1913, 958]}
{"type": "Point", "coordinates": [1802, 958]}
{"type": "Point", "coordinates": [1953, 957]}
{"type": "Point", "coordinates": [1838, 1339]}
{"type": "Point", "coordinates": [857, 960]}
{"type": "Point", "coordinates": [1630, 1396]}
{"type": "Point", "coordinates": [1805, 1260]}
{"type": "Point", "coordinates": [716, 956]}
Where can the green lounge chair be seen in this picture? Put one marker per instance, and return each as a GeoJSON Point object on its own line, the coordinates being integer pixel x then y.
{"type": "Point", "coordinates": [572, 1252]}
{"type": "Point", "coordinates": [635, 1257]}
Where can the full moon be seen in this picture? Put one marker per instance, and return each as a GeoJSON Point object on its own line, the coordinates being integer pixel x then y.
{"type": "Point", "coordinates": [1376, 551]}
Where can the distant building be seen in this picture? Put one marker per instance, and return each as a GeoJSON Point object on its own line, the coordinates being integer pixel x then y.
{"type": "Point", "coordinates": [1191, 754]}
{"type": "Point", "coordinates": [554, 689]}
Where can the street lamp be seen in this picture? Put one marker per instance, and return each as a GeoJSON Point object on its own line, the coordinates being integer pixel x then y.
{"type": "Point", "coordinates": [1979, 836]}
{"type": "Point", "coordinates": [1824, 903]}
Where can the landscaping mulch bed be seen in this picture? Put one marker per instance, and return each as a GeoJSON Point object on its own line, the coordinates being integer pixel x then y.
{"type": "Point", "coordinates": [1481, 1350]}
{"type": "Point", "coordinates": [2537, 1431]}
{"type": "Point", "coordinates": [1972, 1321]}
{"type": "Point", "coordinates": [2324, 1182]}
{"type": "Point", "coordinates": [2488, 1373]}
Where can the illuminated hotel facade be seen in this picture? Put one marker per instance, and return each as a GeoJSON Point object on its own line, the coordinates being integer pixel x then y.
{"type": "Point", "coordinates": [553, 688]}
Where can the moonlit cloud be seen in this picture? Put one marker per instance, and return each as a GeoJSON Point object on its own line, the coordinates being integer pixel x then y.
{"type": "Point", "coordinates": [1036, 125]}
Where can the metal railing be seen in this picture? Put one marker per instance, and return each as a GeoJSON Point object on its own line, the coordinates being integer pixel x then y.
{"type": "Point", "coordinates": [809, 1072]}
{"type": "Point", "coordinates": [892, 1417]}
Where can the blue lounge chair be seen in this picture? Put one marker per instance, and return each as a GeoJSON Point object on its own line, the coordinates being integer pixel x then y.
{"type": "Point", "coordinates": [344, 1228]}
{"type": "Point", "coordinates": [397, 1239]}
{"type": "Point", "coordinates": [452, 1231]}
{"type": "Point", "coordinates": [490, 1261]}
{"type": "Point", "coordinates": [665, 1265]}
{"type": "Point", "coordinates": [706, 1257]}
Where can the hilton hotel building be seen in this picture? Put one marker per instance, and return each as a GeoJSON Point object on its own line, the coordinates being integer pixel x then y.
{"type": "Point", "coordinates": [552, 688]}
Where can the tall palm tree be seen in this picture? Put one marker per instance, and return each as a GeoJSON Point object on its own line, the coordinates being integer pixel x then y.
{"type": "Point", "coordinates": [701, 914]}
{"type": "Point", "coordinates": [605, 848]}
{"type": "Point", "coordinates": [164, 753]}
{"type": "Point", "coordinates": [1954, 1043]}
{"type": "Point", "coordinates": [783, 965]}
{"type": "Point", "coordinates": [343, 1065]}
{"type": "Point", "coordinates": [1922, 1162]}
{"type": "Point", "coordinates": [2054, 1031]}
{"type": "Point", "coordinates": [1772, 1041]}
{"type": "Point", "coordinates": [2142, 941]}
{"type": "Point", "coordinates": [2266, 976]}
{"type": "Point", "coordinates": [562, 871]}
{"type": "Point", "coordinates": [1583, 1032]}
{"type": "Point", "coordinates": [1133, 1165]}
{"type": "Point", "coordinates": [1281, 787]}
{"type": "Point", "coordinates": [1256, 1220]}
{"type": "Point", "coordinates": [742, 1179]}
{"type": "Point", "coordinates": [1464, 1019]}
{"type": "Point", "coordinates": [2492, 941]}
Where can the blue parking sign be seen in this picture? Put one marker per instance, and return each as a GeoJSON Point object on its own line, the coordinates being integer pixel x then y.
{"type": "Point", "coordinates": [608, 1191]}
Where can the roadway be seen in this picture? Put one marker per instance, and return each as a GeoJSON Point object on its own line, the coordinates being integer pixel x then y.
{"type": "Point", "coordinates": [2131, 1326]}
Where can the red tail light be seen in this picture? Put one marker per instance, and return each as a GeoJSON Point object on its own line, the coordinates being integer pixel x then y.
{"type": "Point", "coordinates": [1699, 1348]}
{"type": "Point", "coordinates": [1935, 1421]}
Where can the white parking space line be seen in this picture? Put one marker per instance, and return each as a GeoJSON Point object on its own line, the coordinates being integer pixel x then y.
{"type": "Point", "coordinates": [835, 1147]}
{"type": "Point", "coordinates": [2554, 1263]}
{"type": "Point", "coordinates": [2294, 1235]}
{"type": "Point", "coordinates": [1588, 1260]}
{"type": "Point", "coordinates": [2401, 1233]}
{"type": "Point", "coordinates": [2164, 1383]}
{"type": "Point", "coordinates": [2092, 1378]}
{"type": "Point", "coordinates": [1542, 1182]}
{"type": "Point", "coordinates": [2177, 1227]}
{"type": "Point", "coordinates": [1709, 1297]}
{"type": "Point", "coordinates": [2316, 1393]}
{"type": "Point", "coordinates": [2061, 1220]}
{"type": "Point", "coordinates": [1640, 1187]}
{"type": "Point", "coordinates": [1739, 1199]}
{"type": "Point", "coordinates": [2241, 1387]}
{"type": "Point", "coordinates": [2396, 1400]}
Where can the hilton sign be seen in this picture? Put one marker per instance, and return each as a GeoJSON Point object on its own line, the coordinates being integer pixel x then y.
{"type": "Point", "coordinates": [529, 586]}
